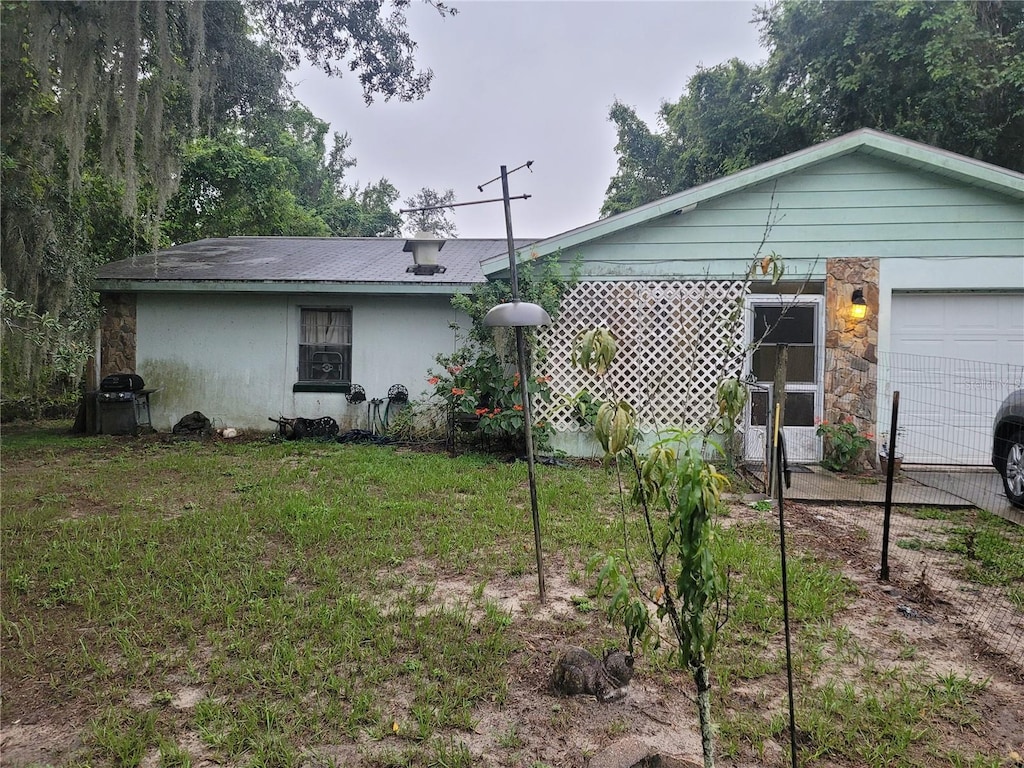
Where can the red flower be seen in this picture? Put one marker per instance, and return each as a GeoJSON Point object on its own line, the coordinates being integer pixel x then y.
{"type": "Point", "coordinates": [480, 411]}
{"type": "Point", "coordinates": [497, 410]}
{"type": "Point", "coordinates": [433, 380]}
{"type": "Point", "coordinates": [458, 392]}
{"type": "Point", "coordinates": [454, 369]}
{"type": "Point", "coordinates": [517, 407]}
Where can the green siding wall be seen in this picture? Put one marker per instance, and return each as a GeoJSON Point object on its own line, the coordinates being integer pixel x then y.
{"type": "Point", "coordinates": [849, 206]}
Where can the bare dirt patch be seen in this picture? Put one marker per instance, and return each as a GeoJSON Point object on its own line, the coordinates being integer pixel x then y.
{"type": "Point", "coordinates": [532, 725]}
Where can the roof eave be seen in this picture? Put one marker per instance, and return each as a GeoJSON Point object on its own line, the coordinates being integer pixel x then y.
{"type": "Point", "coordinates": [897, 149]}
{"type": "Point", "coordinates": [111, 285]}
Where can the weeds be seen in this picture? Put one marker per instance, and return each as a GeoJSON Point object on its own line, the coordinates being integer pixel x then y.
{"type": "Point", "coordinates": [293, 585]}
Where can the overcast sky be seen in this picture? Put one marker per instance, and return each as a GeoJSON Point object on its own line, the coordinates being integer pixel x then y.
{"type": "Point", "coordinates": [518, 81]}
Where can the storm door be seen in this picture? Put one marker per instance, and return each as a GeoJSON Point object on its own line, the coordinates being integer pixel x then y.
{"type": "Point", "coordinates": [796, 322]}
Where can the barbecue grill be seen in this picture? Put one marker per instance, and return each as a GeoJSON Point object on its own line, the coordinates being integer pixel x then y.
{"type": "Point", "coordinates": [122, 405]}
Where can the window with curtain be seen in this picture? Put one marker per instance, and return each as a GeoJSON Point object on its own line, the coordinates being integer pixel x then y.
{"type": "Point", "coordinates": [325, 346]}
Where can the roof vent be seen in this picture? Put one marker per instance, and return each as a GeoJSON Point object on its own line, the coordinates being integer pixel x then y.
{"type": "Point", "coordinates": [424, 247]}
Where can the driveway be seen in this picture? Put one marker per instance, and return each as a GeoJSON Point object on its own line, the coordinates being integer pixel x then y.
{"type": "Point", "coordinates": [981, 486]}
{"type": "Point", "coordinates": [916, 486]}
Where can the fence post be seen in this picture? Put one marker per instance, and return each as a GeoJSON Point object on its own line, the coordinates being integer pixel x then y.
{"type": "Point", "coordinates": [890, 472]}
{"type": "Point", "coordinates": [778, 406]}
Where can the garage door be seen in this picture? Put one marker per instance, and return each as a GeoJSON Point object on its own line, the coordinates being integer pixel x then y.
{"type": "Point", "coordinates": [955, 356]}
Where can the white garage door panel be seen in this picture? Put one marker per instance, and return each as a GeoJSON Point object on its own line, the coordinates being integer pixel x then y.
{"type": "Point", "coordinates": [955, 357]}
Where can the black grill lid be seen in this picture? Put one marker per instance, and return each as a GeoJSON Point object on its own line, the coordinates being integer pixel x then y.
{"type": "Point", "coordinates": [122, 382]}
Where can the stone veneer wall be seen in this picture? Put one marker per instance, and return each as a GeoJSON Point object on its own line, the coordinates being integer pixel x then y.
{"type": "Point", "coordinates": [117, 333]}
{"type": "Point", "coordinates": [851, 346]}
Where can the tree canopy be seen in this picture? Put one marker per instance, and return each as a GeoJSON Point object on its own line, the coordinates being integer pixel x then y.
{"type": "Point", "coordinates": [950, 74]}
{"type": "Point", "coordinates": [123, 124]}
{"type": "Point", "coordinates": [438, 216]}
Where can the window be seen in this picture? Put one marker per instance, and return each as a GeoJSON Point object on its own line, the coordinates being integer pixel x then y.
{"type": "Point", "coordinates": [325, 350]}
{"type": "Point", "coordinates": [793, 326]}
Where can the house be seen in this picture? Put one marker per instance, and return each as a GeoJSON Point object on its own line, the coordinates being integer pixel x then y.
{"type": "Point", "coordinates": [930, 241]}
{"type": "Point", "coordinates": [248, 328]}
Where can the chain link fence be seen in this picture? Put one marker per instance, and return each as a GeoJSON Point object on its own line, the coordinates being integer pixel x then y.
{"type": "Point", "coordinates": [943, 531]}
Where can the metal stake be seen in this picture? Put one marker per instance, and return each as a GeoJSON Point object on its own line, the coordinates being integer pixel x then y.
{"type": "Point", "coordinates": [523, 385]}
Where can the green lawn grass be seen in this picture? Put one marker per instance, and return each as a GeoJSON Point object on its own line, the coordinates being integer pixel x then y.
{"type": "Point", "coordinates": [293, 583]}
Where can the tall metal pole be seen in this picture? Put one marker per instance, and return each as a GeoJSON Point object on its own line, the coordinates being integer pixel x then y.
{"type": "Point", "coordinates": [523, 384]}
{"type": "Point", "coordinates": [890, 472]}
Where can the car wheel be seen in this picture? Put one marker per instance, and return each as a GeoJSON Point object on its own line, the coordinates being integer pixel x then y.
{"type": "Point", "coordinates": [1013, 470]}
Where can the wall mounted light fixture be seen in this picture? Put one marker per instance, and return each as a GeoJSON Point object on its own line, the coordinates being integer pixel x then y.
{"type": "Point", "coordinates": [859, 305]}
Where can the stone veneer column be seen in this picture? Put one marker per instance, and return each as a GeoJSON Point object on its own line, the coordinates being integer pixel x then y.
{"type": "Point", "coordinates": [117, 333]}
{"type": "Point", "coordinates": [851, 346]}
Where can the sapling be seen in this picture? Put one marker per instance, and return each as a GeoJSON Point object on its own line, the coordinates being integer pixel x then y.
{"type": "Point", "coordinates": [677, 493]}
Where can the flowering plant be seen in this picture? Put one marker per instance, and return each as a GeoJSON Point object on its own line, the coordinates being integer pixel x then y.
{"type": "Point", "coordinates": [454, 385]}
{"type": "Point", "coordinates": [842, 442]}
{"type": "Point", "coordinates": [479, 386]}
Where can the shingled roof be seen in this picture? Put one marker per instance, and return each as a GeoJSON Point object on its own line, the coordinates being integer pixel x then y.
{"type": "Point", "coordinates": [297, 263]}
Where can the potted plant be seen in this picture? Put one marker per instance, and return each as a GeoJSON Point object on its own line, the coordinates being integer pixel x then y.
{"type": "Point", "coordinates": [883, 456]}
{"type": "Point", "coordinates": [842, 443]}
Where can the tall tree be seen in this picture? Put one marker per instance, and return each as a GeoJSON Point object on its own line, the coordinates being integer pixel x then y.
{"type": "Point", "coordinates": [946, 73]}
{"type": "Point", "coordinates": [432, 212]}
{"type": "Point", "coordinates": [949, 74]}
{"type": "Point", "coordinates": [100, 99]}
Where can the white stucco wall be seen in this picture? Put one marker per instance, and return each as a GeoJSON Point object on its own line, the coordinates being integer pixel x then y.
{"type": "Point", "coordinates": [235, 357]}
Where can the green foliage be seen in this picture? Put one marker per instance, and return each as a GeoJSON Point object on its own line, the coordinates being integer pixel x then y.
{"type": "Point", "coordinates": [948, 74]}
{"type": "Point", "coordinates": [436, 221]}
{"type": "Point", "coordinates": [103, 103]}
{"type": "Point", "coordinates": [677, 494]}
{"type": "Point", "coordinates": [228, 189]}
{"type": "Point", "coordinates": [483, 369]}
{"type": "Point", "coordinates": [731, 395]}
{"type": "Point", "coordinates": [474, 383]}
{"type": "Point", "coordinates": [594, 351]}
{"type": "Point", "coordinates": [375, 45]}
{"type": "Point", "coordinates": [842, 443]}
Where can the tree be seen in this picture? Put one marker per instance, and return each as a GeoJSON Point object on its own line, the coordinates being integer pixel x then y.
{"type": "Point", "coordinates": [275, 177]}
{"type": "Point", "coordinates": [950, 74]}
{"type": "Point", "coordinates": [945, 73]}
{"type": "Point", "coordinates": [677, 494]}
{"type": "Point", "coordinates": [228, 189]}
{"type": "Point", "coordinates": [366, 212]}
{"type": "Point", "coordinates": [436, 220]}
{"type": "Point", "coordinates": [377, 47]}
{"type": "Point", "coordinates": [105, 97]}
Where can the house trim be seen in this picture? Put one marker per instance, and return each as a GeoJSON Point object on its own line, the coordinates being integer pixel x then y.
{"type": "Point", "coordinates": [310, 286]}
{"type": "Point", "coordinates": [905, 152]}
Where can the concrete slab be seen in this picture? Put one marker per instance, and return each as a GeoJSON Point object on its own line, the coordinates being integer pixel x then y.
{"type": "Point", "coordinates": [979, 487]}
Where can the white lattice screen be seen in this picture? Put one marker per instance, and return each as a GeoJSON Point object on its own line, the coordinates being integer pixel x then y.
{"type": "Point", "coordinates": [672, 341]}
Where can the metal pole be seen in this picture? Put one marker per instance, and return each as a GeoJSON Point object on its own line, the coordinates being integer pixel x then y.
{"type": "Point", "coordinates": [785, 581]}
{"type": "Point", "coordinates": [779, 401]}
{"type": "Point", "coordinates": [523, 385]}
{"type": "Point", "coordinates": [889, 474]}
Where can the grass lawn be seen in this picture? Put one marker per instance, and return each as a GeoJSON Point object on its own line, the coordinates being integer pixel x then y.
{"type": "Point", "coordinates": [258, 603]}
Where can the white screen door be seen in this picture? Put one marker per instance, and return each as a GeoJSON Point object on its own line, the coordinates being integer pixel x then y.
{"type": "Point", "coordinates": [796, 322]}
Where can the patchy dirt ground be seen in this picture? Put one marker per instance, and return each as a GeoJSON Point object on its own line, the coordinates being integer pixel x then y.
{"type": "Point", "coordinates": [535, 727]}
{"type": "Point", "coordinates": [659, 711]}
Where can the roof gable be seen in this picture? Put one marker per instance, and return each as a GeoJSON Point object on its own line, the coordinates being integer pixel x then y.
{"type": "Point", "coordinates": [881, 146]}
